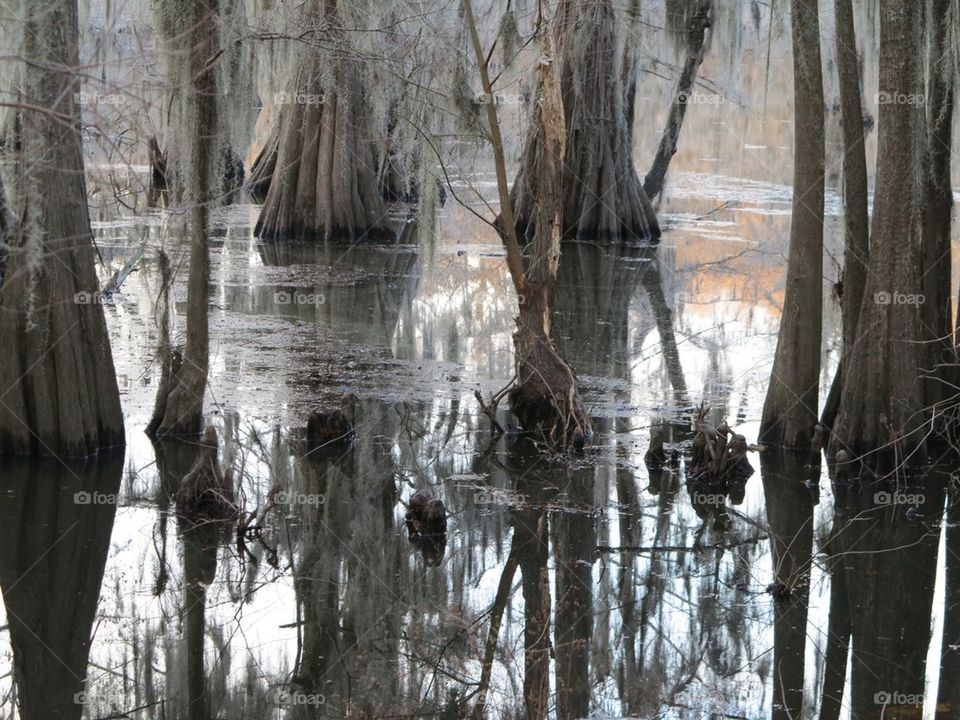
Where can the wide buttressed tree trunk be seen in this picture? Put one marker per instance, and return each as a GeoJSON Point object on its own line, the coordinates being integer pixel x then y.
{"type": "Point", "coordinates": [179, 405]}
{"type": "Point", "coordinates": [790, 409]}
{"type": "Point", "coordinates": [881, 401]}
{"type": "Point", "coordinates": [323, 183]}
{"type": "Point", "coordinates": [856, 218]}
{"type": "Point", "coordinates": [58, 389]}
{"type": "Point", "coordinates": [603, 197]}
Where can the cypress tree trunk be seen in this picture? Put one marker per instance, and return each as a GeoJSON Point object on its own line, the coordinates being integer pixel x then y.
{"type": "Point", "coordinates": [179, 406]}
{"type": "Point", "coordinates": [838, 630]}
{"type": "Point", "coordinates": [324, 185]}
{"type": "Point", "coordinates": [603, 197]}
{"type": "Point", "coordinates": [936, 247]}
{"type": "Point", "coordinates": [695, 41]}
{"type": "Point", "coordinates": [574, 541]}
{"type": "Point", "coordinates": [856, 219]}
{"type": "Point", "coordinates": [546, 397]}
{"type": "Point", "coordinates": [530, 539]}
{"type": "Point", "coordinates": [58, 389]}
{"type": "Point", "coordinates": [882, 396]}
{"type": "Point", "coordinates": [790, 409]}
{"type": "Point", "coordinates": [891, 567]}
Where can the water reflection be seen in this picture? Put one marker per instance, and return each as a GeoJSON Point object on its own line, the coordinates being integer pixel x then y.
{"type": "Point", "coordinates": [55, 525]}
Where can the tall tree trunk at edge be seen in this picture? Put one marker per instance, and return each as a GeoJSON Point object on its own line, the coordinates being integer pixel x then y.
{"type": "Point", "coordinates": [58, 389]}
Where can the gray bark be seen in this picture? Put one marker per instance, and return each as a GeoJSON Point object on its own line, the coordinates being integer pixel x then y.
{"type": "Point", "coordinates": [58, 389]}
{"type": "Point", "coordinates": [182, 408]}
{"type": "Point", "coordinates": [856, 219]}
{"type": "Point", "coordinates": [882, 395]}
{"type": "Point", "coordinates": [603, 198]}
{"type": "Point", "coordinates": [790, 409]}
{"type": "Point", "coordinates": [936, 251]}
{"type": "Point", "coordinates": [324, 184]}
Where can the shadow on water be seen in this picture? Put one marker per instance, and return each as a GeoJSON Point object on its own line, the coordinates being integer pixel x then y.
{"type": "Point", "coordinates": [55, 526]}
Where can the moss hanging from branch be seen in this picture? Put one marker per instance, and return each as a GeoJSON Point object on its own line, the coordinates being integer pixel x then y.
{"type": "Point", "coordinates": [324, 186]}
{"type": "Point", "coordinates": [179, 407]}
{"type": "Point", "coordinates": [58, 389]}
{"type": "Point", "coordinates": [603, 198]}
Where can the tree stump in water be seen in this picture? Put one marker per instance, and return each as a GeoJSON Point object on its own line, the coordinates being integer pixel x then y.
{"type": "Point", "coordinates": [546, 398]}
{"type": "Point", "coordinates": [334, 426]}
{"type": "Point", "coordinates": [426, 522]}
{"type": "Point", "coordinates": [206, 493]}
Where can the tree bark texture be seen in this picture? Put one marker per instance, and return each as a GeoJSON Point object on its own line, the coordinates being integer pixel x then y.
{"type": "Point", "coordinates": [323, 184]}
{"type": "Point", "coordinates": [58, 389]}
{"type": "Point", "coordinates": [790, 408]}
